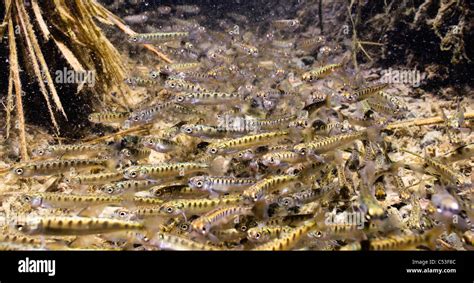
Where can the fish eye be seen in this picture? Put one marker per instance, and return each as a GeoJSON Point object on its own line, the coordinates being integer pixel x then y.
{"type": "Point", "coordinates": [123, 214]}
{"type": "Point", "coordinates": [19, 227]}
{"type": "Point", "coordinates": [169, 210]}
{"type": "Point", "coordinates": [133, 174]}
{"type": "Point", "coordinates": [199, 183]}
{"type": "Point", "coordinates": [243, 228]}
{"type": "Point", "coordinates": [257, 236]}
{"type": "Point", "coordinates": [272, 160]}
{"type": "Point", "coordinates": [180, 98]}
{"type": "Point", "coordinates": [172, 85]}
{"type": "Point", "coordinates": [184, 227]}
{"type": "Point", "coordinates": [134, 38]}
{"type": "Point", "coordinates": [110, 190]}
{"type": "Point", "coordinates": [27, 198]}
{"type": "Point", "coordinates": [19, 171]}
{"type": "Point", "coordinates": [303, 151]}
{"type": "Point", "coordinates": [213, 150]}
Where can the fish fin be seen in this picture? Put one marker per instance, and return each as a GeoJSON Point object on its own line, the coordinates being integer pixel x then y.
{"type": "Point", "coordinates": [92, 211]}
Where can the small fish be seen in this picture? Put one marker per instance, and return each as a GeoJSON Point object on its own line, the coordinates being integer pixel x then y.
{"type": "Point", "coordinates": [319, 73]}
{"type": "Point", "coordinates": [366, 92]}
{"type": "Point", "coordinates": [166, 241]}
{"type": "Point", "coordinates": [220, 184]}
{"type": "Point", "coordinates": [208, 98]}
{"type": "Point", "coordinates": [245, 155]}
{"type": "Point", "coordinates": [290, 239]}
{"type": "Point", "coordinates": [56, 167]}
{"type": "Point", "coordinates": [396, 242]}
{"type": "Point", "coordinates": [274, 123]}
{"type": "Point", "coordinates": [126, 186]}
{"type": "Point", "coordinates": [108, 117]}
{"type": "Point", "coordinates": [312, 43]}
{"type": "Point", "coordinates": [460, 153]}
{"type": "Point", "coordinates": [204, 223]}
{"type": "Point", "coordinates": [286, 24]}
{"type": "Point", "coordinates": [150, 172]}
{"type": "Point", "coordinates": [369, 203]}
{"type": "Point", "coordinates": [382, 108]}
{"type": "Point", "coordinates": [266, 233]}
{"type": "Point", "coordinates": [61, 200]}
{"type": "Point", "coordinates": [329, 143]}
{"type": "Point", "coordinates": [164, 10]}
{"type": "Point", "coordinates": [257, 191]}
{"type": "Point", "coordinates": [147, 201]}
{"type": "Point", "coordinates": [159, 144]}
{"type": "Point", "coordinates": [136, 19]}
{"type": "Point", "coordinates": [197, 206]}
{"type": "Point", "coordinates": [285, 44]}
{"type": "Point", "coordinates": [157, 37]}
{"type": "Point", "coordinates": [246, 49]}
{"type": "Point", "coordinates": [227, 146]}
{"type": "Point", "coordinates": [176, 84]}
{"type": "Point", "coordinates": [229, 235]}
{"type": "Point", "coordinates": [180, 67]}
{"type": "Point", "coordinates": [445, 171]}
{"type": "Point", "coordinates": [95, 179]}
{"type": "Point", "coordinates": [134, 153]}
{"type": "Point", "coordinates": [69, 150]}
{"type": "Point", "coordinates": [188, 9]}
{"type": "Point", "coordinates": [148, 114]}
{"type": "Point", "coordinates": [281, 158]}
{"type": "Point", "coordinates": [203, 131]}
{"type": "Point", "coordinates": [173, 189]}
{"type": "Point", "coordinates": [73, 225]}
{"type": "Point", "coordinates": [321, 128]}
{"type": "Point", "coordinates": [140, 82]}
{"type": "Point", "coordinates": [299, 198]}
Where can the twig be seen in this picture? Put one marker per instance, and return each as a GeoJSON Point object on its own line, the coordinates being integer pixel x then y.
{"type": "Point", "coordinates": [127, 30]}
{"type": "Point", "coordinates": [36, 68]}
{"type": "Point", "coordinates": [141, 128]}
{"type": "Point", "coordinates": [17, 82]}
{"type": "Point", "coordinates": [424, 122]}
{"type": "Point", "coordinates": [9, 106]}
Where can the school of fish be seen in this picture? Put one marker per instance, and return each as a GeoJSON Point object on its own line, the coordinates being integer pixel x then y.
{"type": "Point", "coordinates": [246, 142]}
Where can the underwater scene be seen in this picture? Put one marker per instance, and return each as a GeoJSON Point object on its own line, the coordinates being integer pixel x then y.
{"type": "Point", "coordinates": [236, 125]}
